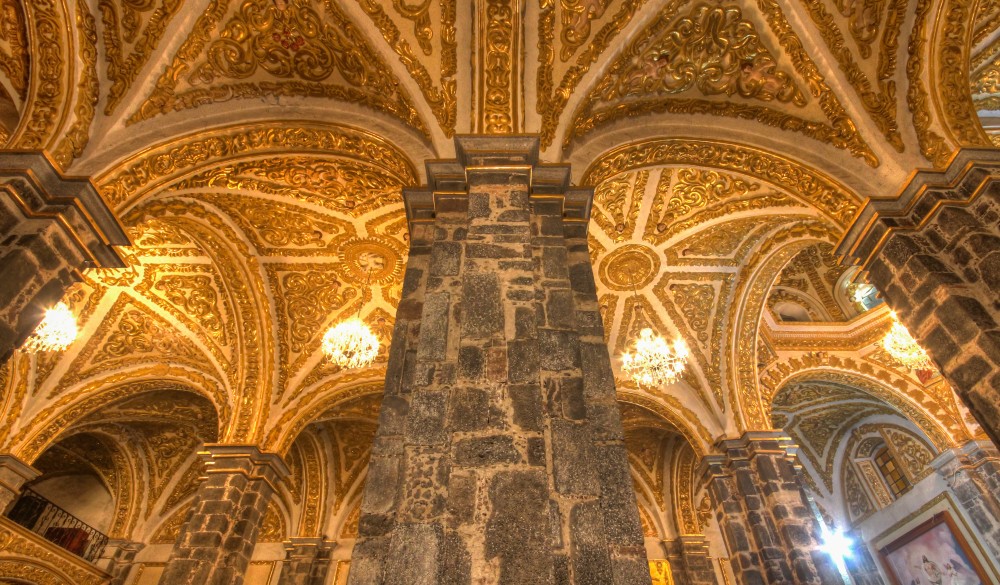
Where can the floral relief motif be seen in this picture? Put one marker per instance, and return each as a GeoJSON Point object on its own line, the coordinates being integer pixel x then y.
{"type": "Point", "coordinates": [713, 49]}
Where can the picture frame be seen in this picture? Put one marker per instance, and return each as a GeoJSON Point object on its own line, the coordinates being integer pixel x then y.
{"type": "Point", "coordinates": [933, 553]}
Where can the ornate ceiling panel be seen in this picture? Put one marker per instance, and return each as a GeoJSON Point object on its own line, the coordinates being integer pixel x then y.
{"type": "Point", "coordinates": [257, 48]}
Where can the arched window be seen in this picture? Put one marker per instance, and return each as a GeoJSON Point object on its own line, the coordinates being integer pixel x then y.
{"type": "Point", "coordinates": [891, 472]}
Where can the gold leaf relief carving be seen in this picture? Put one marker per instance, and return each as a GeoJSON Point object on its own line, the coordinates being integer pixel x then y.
{"type": "Point", "coordinates": [186, 154]}
{"type": "Point", "coordinates": [272, 529]}
{"type": "Point", "coordinates": [350, 526]}
{"type": "Point", "coordinates": [576, 18]}
{"type": "Point", "coordinates": [302, 48]}
{"type": "Point", "coordinates": [349, 187]}
{"type": "Point", "coordinates": [912, 453]}
{"type": "Point", "coordinates": [126, 51]}
{"type": "Point", "coordinates": [308, 296]}
{"type": "Point", "coordinates": [354, 441]}
{"type": "Point", "coordinates": [170, 530]}
{"type": "Point", "coordinates": [932, 146]}
{"type": "Point", "coordinates": [648, 526]}
{"type": "Point", "coordinates": [699, 320]}
{"type": "Point", "coordinates": [633, 87]}
{"type": "Point", "coordinates": [617, 202]}
{"type": "Point", "coordinates": [875, 482]}
{"type": "Point", "coordinates": [499, 67]}
{"type": "Point", "coordinates": [712, 49]}
{"type": "Point", "coordinates": [441, 96]}
{"type": "Point", "coordinates": [553, 92]}
{"type": "Point", "coordinates": [864, 21]}
{"type": "Point", "coordinates": [185, 487]}
{"type": "Point", "coordinates": [858, 504]}
{"type": "Point", "coordinates": [129, 335]}
{"type": "Point", "coordinates": [834, 200]}
{"type": "Point", "coordinates": [196, 296]}
{"type": "Point", "coordinates": [953, 35]}
{"type": "Point", "coordinates": [723, 245]}
{"type": "Point", "coordinates": [684, 503]}
{"type": "Point", "coordinates": [14, 61]}
{"type": "Point", "coordinates": [47, 86]}
{"type": "Point", "coordinates": [88, 89]}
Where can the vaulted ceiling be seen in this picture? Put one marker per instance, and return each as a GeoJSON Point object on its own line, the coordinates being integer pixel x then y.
{"type": "Point", "coordinates": [255, 151]}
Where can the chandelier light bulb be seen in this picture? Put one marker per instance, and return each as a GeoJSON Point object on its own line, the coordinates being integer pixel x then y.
{"type": "Point", "coordinates": [350, 344]}
{"type": "Point", "coordinates": [56, 331]}
{"type": "Point", "coordinates": [655, 362]}
{"type": "Point", "coordinates": [903, 348]}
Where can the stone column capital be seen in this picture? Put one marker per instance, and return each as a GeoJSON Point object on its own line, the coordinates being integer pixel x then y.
{"type": "Point", "coordinates": [968, 174]}
{"type": "Point", "coordinates": [248, 460]}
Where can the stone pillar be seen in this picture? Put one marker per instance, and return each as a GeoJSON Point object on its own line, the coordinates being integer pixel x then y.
{"type": "Point", "coordinates": [973, 473]}
{"type": "Point", "coordinates": [14, 473]}
{"type": "Point", "coordinates": [500, 456]}
{"type": "Point", "coordinates": [763, 513]}
{"type": "Point", "coordinates": [696, 561]}
{"type": "Point", "coordinates": [216, 542]}
{"type": "Point", "coordinates": [307, 562]}
{"type": "Point", "coordinates": [117, 559]}
{"type": "Point", "coordinates": [934, 252]}
{"type": "Point", "coordinates": [51, 228]}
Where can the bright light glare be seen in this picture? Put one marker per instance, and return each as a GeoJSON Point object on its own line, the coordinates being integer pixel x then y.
{"type": "Point", "coordinates": [838, 545]}
{"type": "Point", "coordinates": [56, 331]}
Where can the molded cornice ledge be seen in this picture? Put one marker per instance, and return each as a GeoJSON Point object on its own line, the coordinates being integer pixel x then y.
{"type": "Point", "coordinates": [448, 180]}
{"type": "Point", "coordinates": [971, 172]}
{"type": "Point", "coordinates": [40, 191]}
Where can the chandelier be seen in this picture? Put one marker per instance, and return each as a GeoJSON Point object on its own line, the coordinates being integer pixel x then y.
{"type": "Point", "coordinates": [56, 331]}
{"type": "Point", "coordinates": [351, 344]}
{"type": "Point", "coordinates": [904, 349]}
{"type": "Point", "coordinates": [655, 363]}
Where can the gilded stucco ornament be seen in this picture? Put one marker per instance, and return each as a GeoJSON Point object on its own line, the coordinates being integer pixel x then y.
{"type": "Point", "coordinates": [303, 48]}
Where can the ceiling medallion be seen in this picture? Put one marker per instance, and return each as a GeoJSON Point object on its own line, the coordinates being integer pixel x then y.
{"type": "Point", "coordinates": [904, 349]}
{"type": "Point", "coordinates": [629, 267]}
{"type": "Point", "coordinates": [654, 363]}
{"type": "Point", "coordinates": [56, 331]}
{"type": "Point", "coordinates": [351, 344]}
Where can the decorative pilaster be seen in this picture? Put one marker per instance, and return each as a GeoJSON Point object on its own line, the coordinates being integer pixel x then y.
{"type": "Point", "coordinates": [973, 473]}
{"type": "Point", "coordinates": [51, 228]}
{"type": "Point", "coordinates": [216, 542]}
{"type": "Point", "coordinates": [14, 473]}
{"type": "Point", "coordinates": [307, 561]}
{"type": "Point", "coordinates": [500, 456]}
{"type": "Point", "coordinates": [934, 252]}
{"type": "Point", "coordinates": [762, 510]}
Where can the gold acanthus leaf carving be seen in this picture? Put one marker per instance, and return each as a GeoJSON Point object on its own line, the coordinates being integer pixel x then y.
{"type": "Point", "coordinates": [47, 87]}
{"type": "Point", "coordinates": [197, 297]}
{"type": "Point", "coordinates": [442, 97]}
{"type": "Point", "coordinates": [932, 145]}
{"type": "Point", "coordinates": [188, 153]}
{"type": "Point", "coordinates": [121, 28]}
{"type": "Point", "coordinates": [575, 19]}
{"type": "Point", "coordinates": [137, 333]}
{"type": "Point", "coordinates": [499, 66]}
{"type": "Point", "coordinates": [14, 46]}
{"type": "Point", "coordinates": [310, 297]}
{"type": "Point", "coordinates": [618, 201]}
{"type": "Point", "coordinates": [344, 185]}
{"type": "Point", "coordinates": [310, 51]}
{"type": "Point", "coordinates": [864, 21]}
{"type": "Point", "coordinates": [553, 94]}
{"type": "Point", "coordinates": [88, 90]}
{"type": "Point", "coordinates": [712, 49]}
{"type": "Point", "coordinates": [832, 199]}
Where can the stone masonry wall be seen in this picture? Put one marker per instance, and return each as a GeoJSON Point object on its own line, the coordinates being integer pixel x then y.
{"type": "Point", "coordinates": [765, 519]}
{"type": "Point", "coordinates": [934, 253]}
{"type": "Point", "coordinates": [51, 228]}
{"type": "Point", "coordinates": [216, 542]}
{"type": "Point", "coordinates": [499, 456]}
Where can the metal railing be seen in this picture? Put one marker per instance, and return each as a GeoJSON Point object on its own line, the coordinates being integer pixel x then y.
{"type": "Point", "coordinates": [58, 526]}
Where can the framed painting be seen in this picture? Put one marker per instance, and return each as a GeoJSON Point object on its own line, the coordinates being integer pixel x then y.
{"type": "Point", "coordinates": [933, 553]}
